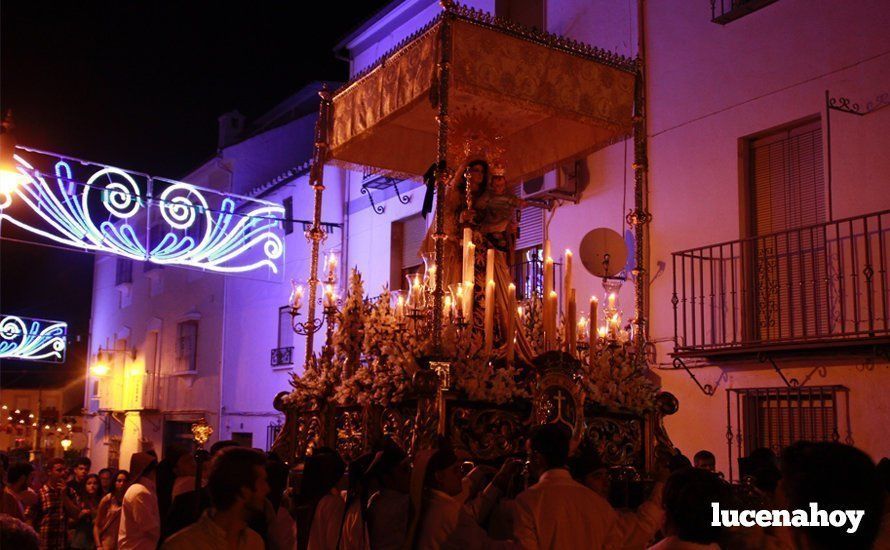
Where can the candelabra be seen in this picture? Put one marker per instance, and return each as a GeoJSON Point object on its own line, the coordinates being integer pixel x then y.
{"type": "Point", "coordinates": [329, 302]}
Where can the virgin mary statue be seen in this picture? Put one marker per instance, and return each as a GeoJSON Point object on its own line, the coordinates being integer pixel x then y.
{"type": "Point", "coordinates": [489, 210]}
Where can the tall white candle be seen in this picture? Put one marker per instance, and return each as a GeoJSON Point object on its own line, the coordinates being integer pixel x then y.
{"type": "Point", "coordinates": [489, 316]}
{"type": "Point", "coordinates": [511, 315]}
{"type": "Point", "coordinates": [567, 280]}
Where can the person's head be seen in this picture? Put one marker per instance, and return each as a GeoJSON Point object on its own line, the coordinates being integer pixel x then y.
{"type": "Point", "coordinates": [19, 476]}
{"type": "Point", "coordinates": [589, 470]}
{"type": "Point", "coordinates": [705, 460]}
{"type": "Point", "coordinates": [220, 445]}
{"type": "Point", "coordinates": [143, 465]}
{"type": "Point", "coordinates": [92, 486]}
{"type": "Point", "coordinates": [498, 184]}
{"type": "Point", "coordinates": [276, 475]}
{"type": "Point", "coordinates": [762, 467]}
{"type": "Point", "coordinates": [837, 477]}
{"type": "Point", "coordinates": [105, 479]}
{"type": "Point", "coordinates": [17, 534]}
{"type": "Point", "coordinates": [477, 172]}
{"type": "Point", "coordinates": [4, 466]}
{"type": "Point", "coordinates": [185, 466]}
{"type": "Point", "coordinates": [81, 468]}
{"type": "Point", "coordinates": [391, 467]}
{"type": "Point", "coordinates": [548, 448]}
{"type": "Point", "coordinates": [688, 494]}
{"type": "Point", "coordinates": [238, 479]}
{"type": "Point", "coordinates": [443, 471]}
{"type": "Point", "coordinates": [321, 473]}
{"type": "Point", "coordinates": [678, 461]}
{"type": "Point", "coordinates": [56, 470]}
{"type": "Point", "coordinates": [121, 480]}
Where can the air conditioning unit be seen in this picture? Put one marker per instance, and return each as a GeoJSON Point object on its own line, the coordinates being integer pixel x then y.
{"type": "Point", "coordinates": [564, 183]}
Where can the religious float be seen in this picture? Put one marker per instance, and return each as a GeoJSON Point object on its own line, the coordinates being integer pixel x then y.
{"type": "Point", "coordinates": [463, 353]}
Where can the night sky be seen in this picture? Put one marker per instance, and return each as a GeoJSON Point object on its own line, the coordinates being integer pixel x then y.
{"type": "Point", "coordinates": [140, 85]}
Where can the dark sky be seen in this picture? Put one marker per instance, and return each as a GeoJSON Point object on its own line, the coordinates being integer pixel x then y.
{"type": "Point", "coordinates": [140, 85]}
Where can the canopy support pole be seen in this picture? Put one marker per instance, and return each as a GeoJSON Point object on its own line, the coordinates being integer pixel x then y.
{"type": "Point", "coordinates": [316, 233]}
{"type": "Point", "coordinates": [640, 217]}
{"type": "Point", "coordinates": [444, 70]}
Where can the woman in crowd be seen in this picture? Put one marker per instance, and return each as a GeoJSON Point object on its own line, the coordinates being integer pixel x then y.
{"type": "Point", "coordinates": [108, 514]}
{"type": "Point", "coordinates": [89, 502]}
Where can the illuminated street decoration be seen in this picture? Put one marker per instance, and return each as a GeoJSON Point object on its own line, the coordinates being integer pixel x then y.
{"type": "Point", "coordinates": [106, 209]}
{"type": "Point", "coordinates": [32, 339]}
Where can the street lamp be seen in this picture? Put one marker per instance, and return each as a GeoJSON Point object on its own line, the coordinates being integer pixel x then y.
{"type": "Point", "coordinates": [10, 178]}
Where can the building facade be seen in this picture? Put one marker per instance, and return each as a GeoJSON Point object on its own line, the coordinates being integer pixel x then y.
{"type": "Point", "coordinates": [766, 253]}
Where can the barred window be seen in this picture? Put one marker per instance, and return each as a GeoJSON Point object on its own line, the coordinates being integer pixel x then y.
{"type": "Point", "coordinates": [187, 346]}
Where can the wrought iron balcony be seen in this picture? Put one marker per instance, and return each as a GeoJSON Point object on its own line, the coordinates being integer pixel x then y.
{"type": "Point", "coordinates": [816, 286]}
{"type": "Point", "coordinates": [282, 356]}
{"type": "Point", "coordinates": [724, 11]}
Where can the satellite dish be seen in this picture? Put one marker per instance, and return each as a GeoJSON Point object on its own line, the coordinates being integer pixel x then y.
{"type": "Point", "coordinates": [603, 252]}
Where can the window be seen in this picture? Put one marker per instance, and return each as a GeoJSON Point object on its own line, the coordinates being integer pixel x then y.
{"type": "Point", "coordinates": [778, 417]}
{"type": "Point", "coordinates": [123, 273]}
{"type": "Point", "coordinates": [285, 328]}
{"type": "Point", "coordinates": [243, 439]}
{"type": "Point", "coordinates": [288, 222]}
{"type": "Point", "coordinates": [406, 238]}
{"type": "Point", "coordinates": [724, 11]}
{"type": "Point", "coordinates": [187, 346]}
{"type": "Point", "coordinates": [272, 431]}
{"type": "Point", "coordinates": [786, 191]}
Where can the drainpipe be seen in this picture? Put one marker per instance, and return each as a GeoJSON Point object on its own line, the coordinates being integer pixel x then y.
{"type": "Point", "coordinates": [222, 342]}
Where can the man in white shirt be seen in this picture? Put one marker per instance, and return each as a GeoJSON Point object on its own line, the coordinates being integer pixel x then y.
{"type": "Point", "coordinates": [558, 512]}
{"type": "Point", "coordinates": [140, 520]}
{"type": "Point", "coordinates": [238, 487]}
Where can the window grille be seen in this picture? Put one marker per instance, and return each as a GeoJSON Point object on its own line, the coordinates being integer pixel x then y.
{"type": "Point", "coordinates": [775, 418]}
{"type": "Point", "coordinates": [123, 273]}
{"type": "Point", "coordinates": [187, 346]}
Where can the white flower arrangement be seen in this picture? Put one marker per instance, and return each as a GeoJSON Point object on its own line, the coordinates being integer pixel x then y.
{"type": "Point", "coordinates": [613, 378]}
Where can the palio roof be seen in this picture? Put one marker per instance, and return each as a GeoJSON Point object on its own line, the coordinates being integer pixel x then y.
{"type": "Point", "coordinates": [546, 99]}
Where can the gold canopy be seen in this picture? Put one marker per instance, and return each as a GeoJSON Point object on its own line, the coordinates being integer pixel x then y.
{"type": "Point", "coordinates": [550, 100]}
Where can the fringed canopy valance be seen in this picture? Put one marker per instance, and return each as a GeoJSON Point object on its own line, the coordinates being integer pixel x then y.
{"type": "Point", "coordinates": [551, 100]}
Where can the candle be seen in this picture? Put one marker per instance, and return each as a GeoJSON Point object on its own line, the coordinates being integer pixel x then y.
{"type": "Point", "coordinates": [459, 301]}
{"type": "Point", "coordinates": [511, 326]}
{"type": "Point", "coordinates": [296, 296]}
{"type": "Point", "coordinates": [448, 305]}
{"type": "Point", "coordinates": [489, 264]}
{"type": "Point", "coordinates": [582, 329]}
{"type": "Point", "coordinates": [612, 298]}
{"type": "Point", "coordinates": [489, 316]}
{"type": "Point", "coordinates": [400, 307]}
{"type": "Point", "coordinates": [614, 323]}
{"type": "Point", "coordinates": [601, 332]}
{"type": "Point", "coordinates": [594, 304]}
{"type": "Point", "coordinates": [470, 282]}
{"type": "Point", "coordinates": [551, 322]}
{"type": "Point", "coordinates": [431, 277]}
{"type": "Point", "coordinates": [332, 265]}
{"type": "Point", "coordinates": [545, 306]}
{"type": "Point", "coordinates": [329, 296]}
{"type": "Point", "coordinates": [567, 279]}
{"type": "Point", "coordinates": [570, 322]}
{"type": "Point", "coordinates": [467, 258]}
{"type": "Point", "coordinates": [416, 292]}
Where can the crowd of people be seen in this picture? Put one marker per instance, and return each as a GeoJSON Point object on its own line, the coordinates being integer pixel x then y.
{"type": "Point", "coordinates": [386, 499]}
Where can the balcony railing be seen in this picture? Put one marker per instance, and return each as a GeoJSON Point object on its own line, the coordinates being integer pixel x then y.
{"type": "Point", "coordinates": [724, 11]}
{"type": "Point", "coordinates": [816, 286]}
{"type": "Point", "coordinates": [282, 356]}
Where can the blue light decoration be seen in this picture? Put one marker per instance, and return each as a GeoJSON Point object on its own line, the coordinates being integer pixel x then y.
{"type": "Point", "coordinates": [29, 339]}
{"type": "Point", "coordinates": [101, 208]}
